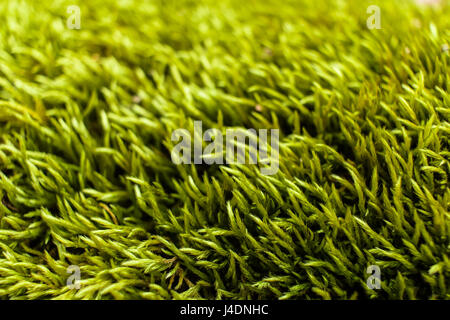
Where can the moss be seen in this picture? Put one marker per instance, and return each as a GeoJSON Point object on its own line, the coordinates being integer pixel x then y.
{"type": "Point", "coordinates": [86, 177]}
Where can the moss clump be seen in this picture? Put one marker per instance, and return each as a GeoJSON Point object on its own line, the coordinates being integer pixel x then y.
{"type": "Point", "coordinates": [86, 118]}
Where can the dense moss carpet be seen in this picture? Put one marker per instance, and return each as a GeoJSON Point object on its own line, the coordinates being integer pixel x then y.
{"type": "Point", "coordinates": [86, 177]}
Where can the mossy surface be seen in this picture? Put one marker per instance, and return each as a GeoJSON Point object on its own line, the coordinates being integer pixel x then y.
{"type": "Point", "coordinates": [86, 177]}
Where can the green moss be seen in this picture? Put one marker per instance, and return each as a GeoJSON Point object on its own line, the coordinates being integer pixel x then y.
{"type": "Point", "coordinates": [86, 179]}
